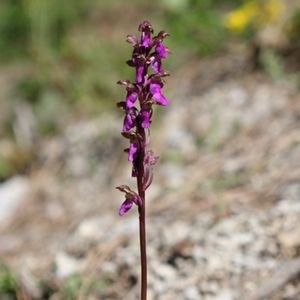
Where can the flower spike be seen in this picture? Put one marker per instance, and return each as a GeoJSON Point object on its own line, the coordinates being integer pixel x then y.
{"type": "Point", "coordinates": [147, 58]}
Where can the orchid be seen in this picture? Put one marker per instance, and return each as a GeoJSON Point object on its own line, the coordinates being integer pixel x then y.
{"type": "Point", "coordinates": [148, 53]}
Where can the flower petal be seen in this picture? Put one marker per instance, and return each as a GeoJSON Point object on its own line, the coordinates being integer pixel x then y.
{"type": "Point", "coordinates": [131, 39]}
{"type": "Point", "coordinates": [128, 122]}
{"type": "Point", "coordinates": [161, 99]}
{"type": "Point", "coordinates": [157, 95]}
{"type": "Point", "coordinates": [131, 98]}
{"type": "Point", "coordinates": [139, 73]}
{"type": "Point", "coordinates": [146, 39]}
{"type": "Point", "coordinates": [145, 116]}
{"type": "Point", "coordinates": [132, 151]}
{"type": "Point", "coordinates": [156, 64]}
{"type": "Point", "coordinates": [161, 50]}
{"type": "Point", "coordinates": [125, 206]}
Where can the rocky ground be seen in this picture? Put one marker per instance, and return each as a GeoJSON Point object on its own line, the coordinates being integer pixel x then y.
{"type": "Point", "coordinates": [223, 210]}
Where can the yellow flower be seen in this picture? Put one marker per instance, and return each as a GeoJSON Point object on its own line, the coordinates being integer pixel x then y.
{"type": "Point", "coordinates": [255, 12]}
{"type": "Point", "coordinates": [238, 19]}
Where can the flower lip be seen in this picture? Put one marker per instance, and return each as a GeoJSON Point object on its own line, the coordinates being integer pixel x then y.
{"type": "Point", "coordinates": [155, 91]}
{"type": "Point", "coordinates": [125, 207]}
{"type": "Point", "coordinates": [133, 148]}
{"type": "Point", "coordinates": [156, 63]}
{"type": "Point", "coordinates": [140, 69]}
{"type": "Point", "coordinates": [131, 198]}
{"type": "Point", "coordinates": [161, 50]}
{"type": "Point", "coordinates": [131, 97]}
{"type": "Point", "coordinates": [145, 115]}
{"type": "Point", "coordinates": [130, 119]}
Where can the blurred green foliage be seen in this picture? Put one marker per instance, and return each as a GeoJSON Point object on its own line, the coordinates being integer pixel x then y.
{"type": "Point", "coordinates": [71, 287]}
{"type": "Point", "coordinates": [5, 168]}
{"type": "Point", "coordinates": [79, 287]}
{"type": "Point", "coordinates": [72, 53]}
{"type": "Point", "coordinates": [8, 282]}
{"type": "Point", "coordinates": [36, 26]}
{"type": "Point", "coordinates": [197, 25]}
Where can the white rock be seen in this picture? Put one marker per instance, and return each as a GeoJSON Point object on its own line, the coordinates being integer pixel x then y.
{"type": "Point", "coordinates": [191, 293]}
{"type": "Point", "coordinates": [173, 175]}
{"type": "Point", "coordinates": [165, 272]}
{"type": "Point", "coordinates": [66, 265]}
{"type": "Point", "coordinates": [89, 228]}
{"type": "Point", "coordinates": [150, 295]}
{"type": "Point", "coordinates": [225, 295]}
{"type": "Point", "coordinates": [176, 232]}
{"type": "Point", "coordinates": [13, 192]}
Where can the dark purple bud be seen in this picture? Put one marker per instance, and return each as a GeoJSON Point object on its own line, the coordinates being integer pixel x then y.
{"type": "Point", "coordinates": [131, 62]}
{"type": "Point", "coordinates": [157, 95]}
{"type": "Point", "coordinates": [145, 26]}
{"type": "Point", "coordinates": [146, 29]}
{"type": "Point", "coordinates": [121, 104]}
{"type": "Point", "coordinates": [161, 35]}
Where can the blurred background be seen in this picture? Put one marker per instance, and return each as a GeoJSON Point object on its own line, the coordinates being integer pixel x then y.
{"type": "Point", "coordinates": [224, 207]}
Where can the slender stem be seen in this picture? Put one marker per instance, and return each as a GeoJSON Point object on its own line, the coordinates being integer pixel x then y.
{"type": "Point", "coordinates": [143, 253]}
{"type": "Point", "coordinates": [142, 223]}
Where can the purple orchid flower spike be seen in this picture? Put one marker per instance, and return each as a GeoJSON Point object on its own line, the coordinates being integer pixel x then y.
{"type": "Point", "coordinates": [148, 53]}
